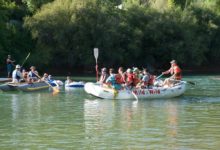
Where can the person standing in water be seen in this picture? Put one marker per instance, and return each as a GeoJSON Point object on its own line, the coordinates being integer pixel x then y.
{"type": "Point", "coordinates": [10, 64]}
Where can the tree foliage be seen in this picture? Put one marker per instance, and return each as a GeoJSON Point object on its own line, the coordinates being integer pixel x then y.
{"type": "Point", "coordinates": [138, 33]}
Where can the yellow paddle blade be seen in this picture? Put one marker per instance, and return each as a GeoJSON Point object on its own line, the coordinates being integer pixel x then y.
{"type": "Point", "coordinates": [55, 90]}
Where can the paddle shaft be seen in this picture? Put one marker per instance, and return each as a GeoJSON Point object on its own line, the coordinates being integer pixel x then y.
{"type": "Point", "coordinates": [96, 55]}
{"type": "Point", "coordinates": [190, 82]}
{"type": "Point", "coordinates": [135, 96]}
{"type": "Point", "coordinates": [159, 76]}
{"type": "Point", "coordinates": [25, 59]}
{"type": "Point", "coordinates": [54, 89]}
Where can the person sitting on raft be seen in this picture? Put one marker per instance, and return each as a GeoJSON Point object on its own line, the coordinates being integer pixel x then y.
{"type": "Point", "coordinates": [17, 75]}
{"type": "Point", "coordinates": [33, 75]}
{"type": "Point", "coordinates": [25, 75]}
{"type": "Point", "coordinates": [45, 77]}
{"type": "Point", "coordinates": [129, 79]}
{"type": "Point", "coordinates": [103, 76]}
{"type": "Point", "coordinates": [176, 74]}
{"type": "Point", "coordinates": [68, 80]}
{"type": "Point", "coordinates": [120, 77]}
{"type": "Point", "coordinates": [147, 79]}
{"type": "Point", "coordinates": [112, 81]}
{"type": "Point", "coordinates": [136, 77]}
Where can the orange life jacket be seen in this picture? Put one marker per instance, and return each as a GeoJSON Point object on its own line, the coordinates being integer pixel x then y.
{"type": "Point", "coordinates": [120, 79]}
{"type": "Point", "coordinates": [136, 80]}
{"type": "Point", "coordinates": [151, 80]}
{"type": "Point", "coordinates": [178, 72]}
{"type": "Point", "coordinates": [130, 79]}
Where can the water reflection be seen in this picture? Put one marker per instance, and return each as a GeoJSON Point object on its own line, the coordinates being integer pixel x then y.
{"type": "Point", "coordinates": [74, 120]}
{"type": "Point", "coordinates": [130, 120]}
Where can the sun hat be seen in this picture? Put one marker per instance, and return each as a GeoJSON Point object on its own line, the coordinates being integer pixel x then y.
{"type": "Point", "coordinates": [18, 67]}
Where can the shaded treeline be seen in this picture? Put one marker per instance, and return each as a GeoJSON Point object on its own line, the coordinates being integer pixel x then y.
{"type": "Point", "coordinates": [61, 34]}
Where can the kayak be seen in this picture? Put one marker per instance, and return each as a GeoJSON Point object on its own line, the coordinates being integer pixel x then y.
{"type": "Point", "coordinates": [29, 87]}
{"type": "Point", "coordinates": [79, 84]}
{"type": "Point", "coordinates": [154, 92]}
{"type": "Point", "coordinates": [55, 83]}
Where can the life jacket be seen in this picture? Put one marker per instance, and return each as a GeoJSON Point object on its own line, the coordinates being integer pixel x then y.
{"type": "Point", "coordinates": [178, 72]}
{"type": "Point", "coordinates": [136, 80]}
{"type": "Point", "coordinates": [111, 79]}
{"type": "Point", "coordinates": [32, 75]}
{"type": "Point", "coordinates": [130, 79]}
{"type": "Point", "coordinates": [119, 79]}
{"type": "Point", "coordinates": [17, 76]}
{"type": "Point", "coordinates": [151, 80]}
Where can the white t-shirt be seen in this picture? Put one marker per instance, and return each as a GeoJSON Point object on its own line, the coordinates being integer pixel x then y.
{"type": "Point", "coordinates": [16, 76]}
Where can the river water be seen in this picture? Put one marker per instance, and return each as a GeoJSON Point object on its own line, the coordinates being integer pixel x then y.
{"type": "Point", "coordinates": [75, 120]}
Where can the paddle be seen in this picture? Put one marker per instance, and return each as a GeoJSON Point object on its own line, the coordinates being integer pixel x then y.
{"type": "Point", "coordinates": [190, 82]}
{"type": "Point", "coordinates": [159, 76]}
{"type": "Point", "coordinates": [135, 96]}
{"type": "Point", "coordinates": [55, 89]}
{"type": "Point", "coordinates": [96, 54]}
{"type": "Point", "coordinates": [26, 58]}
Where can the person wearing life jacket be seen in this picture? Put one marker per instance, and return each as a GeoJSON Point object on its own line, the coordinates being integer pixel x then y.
{"type": "Point", "coordinates": [136, 78]}
{"type": "Point", "coordinates": [176, 74]}
{"type": "Point", "coordinates": [17, 75]}
{"type": "Point", "coordinates": [33, 74]}
{"type": "Point", "coordinates": [120, 77]}
{"type": "Point", "coordinates": [147, 79]}
{"type": "Point", "coordinates": [111, 81]}
{"type": "Point", "coordinates": [130, 78]}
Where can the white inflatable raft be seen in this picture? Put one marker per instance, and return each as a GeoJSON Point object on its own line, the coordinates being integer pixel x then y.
{"type": "Point", "coordinates": [136, 93]}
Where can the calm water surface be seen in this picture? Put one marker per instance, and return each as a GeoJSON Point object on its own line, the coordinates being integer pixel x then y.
{"type": "Point", "coordinates": [75, 120]}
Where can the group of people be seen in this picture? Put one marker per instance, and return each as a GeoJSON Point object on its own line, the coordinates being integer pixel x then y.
{"type": "Point", "coordinates": [19, 74]}
{"type": "Point", "coordinates": [128, 79]}
{"type": "Point", "coordinates": [30, 76]}
{"type": "Point", "coordinates": [137, 78]}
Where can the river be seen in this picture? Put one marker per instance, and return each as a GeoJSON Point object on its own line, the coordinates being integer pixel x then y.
{"type": "Point", "coordinates": [75, 120]}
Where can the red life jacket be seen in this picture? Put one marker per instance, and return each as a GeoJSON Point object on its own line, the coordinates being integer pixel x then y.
{"type": "Point", "coordinates": [136, 80]}
{"type": "Point", "coordinates": [178, 72]}
{"type": "Point", "coordinates": [130, 78]}
{"type": "Point", "coordinates": [119, 79]}
{"type": "Point", "coordinates": [151, 80]}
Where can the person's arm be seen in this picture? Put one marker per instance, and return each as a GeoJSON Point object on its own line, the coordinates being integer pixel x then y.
{"type": "Point", "coordinates": [10, 61]}
{"type": "Point", "coordinates": [167, 72]}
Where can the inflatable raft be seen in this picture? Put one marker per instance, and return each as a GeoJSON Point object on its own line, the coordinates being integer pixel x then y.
{"type": "Point", "coordinates": [136, 93]}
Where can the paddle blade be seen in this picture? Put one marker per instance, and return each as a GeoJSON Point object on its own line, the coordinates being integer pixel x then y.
{"type": "Point", "coordinates": [192, 83]}
{"type": "Point", "coordinates": [96, 53]}
{"type": "Point", "coordinates": [55, 90]}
